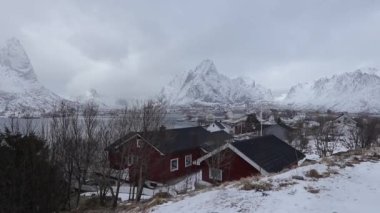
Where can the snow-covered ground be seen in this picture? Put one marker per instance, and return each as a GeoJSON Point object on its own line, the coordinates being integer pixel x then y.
{"type": "Point", "coordinates": [353, 189]}
{"type": "Point", "coordinates": [180, 186]}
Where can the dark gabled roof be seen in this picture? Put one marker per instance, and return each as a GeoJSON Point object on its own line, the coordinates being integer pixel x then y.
{"type": "Point", "coordinates": [121, 140]}
{"type": "Point", "coordinates": [215, 140]}
{"type": "Point", "coordinates": [269, 152]}
{"type": "Point", "coordinates": [176, 140]}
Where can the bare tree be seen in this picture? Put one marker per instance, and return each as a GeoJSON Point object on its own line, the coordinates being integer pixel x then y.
{"type": "Point", "coordinates": [13, 125]}
{"type": "Point", "coordinates": [220, 161]}
{"type": "Point", "coordinates": [145, 118]}
{"type": "Point", "coordinates": [101, 165]}
{"type": "Point", "coordinates": [325, 137]}
{"type": "Point", "coordinates": [120, 126]}
{"type": "Point", "coordinates": [61, 144]}
{"type": "Point", "coordinates": [368, 131]}
{"type": "Point", "coordinates": [29, 125]}
{"type": "Point", "coordinates": [298, 136]}
{"type": "Point", "coordinates": [78, 151]}
{"type": "Point", "coordinates": [352, 139]}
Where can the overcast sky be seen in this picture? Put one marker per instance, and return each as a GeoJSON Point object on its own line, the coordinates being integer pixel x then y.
{"type": "Point", "coordinates": [131, 49]}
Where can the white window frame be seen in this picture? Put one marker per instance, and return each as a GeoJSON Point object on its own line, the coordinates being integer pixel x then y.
{"type": "Point", "coordinates": [188, 161]}
{"type": "Point", "coordinates": [215, 178]}
{"type": "Point", "coordinates": [138, 143]}
{"type": "Point", "coordinates": [171, 168]}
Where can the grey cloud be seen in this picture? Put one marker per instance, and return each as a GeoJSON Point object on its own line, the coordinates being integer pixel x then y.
{"type": "Point", "coordinates": [130, 49]}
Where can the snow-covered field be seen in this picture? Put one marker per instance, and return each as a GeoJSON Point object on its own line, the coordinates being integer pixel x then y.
{"type": "Point", "coordinates": [353, 189]}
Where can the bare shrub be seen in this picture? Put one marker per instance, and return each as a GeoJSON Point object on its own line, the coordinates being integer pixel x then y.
{"type": "Point", "coordinates": [312, 173]}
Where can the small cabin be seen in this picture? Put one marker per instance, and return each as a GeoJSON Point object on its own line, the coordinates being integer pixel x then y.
{"type": "Point", "coordinates": [257, 156]}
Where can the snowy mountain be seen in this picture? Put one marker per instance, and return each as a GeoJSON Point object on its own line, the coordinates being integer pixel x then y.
{"type": "Point", "coordinates": [204, 85]}
{"type": "Point", "coordinates": [357, 91]}
{"type": "Point", "coordinates": [20, 90]}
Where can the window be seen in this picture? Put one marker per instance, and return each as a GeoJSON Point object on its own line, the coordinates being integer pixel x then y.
{"type": "Point", "coordinates": [215, 174]}
{"type": "Point", "coordinates": [138, 143]}
{"type": "Point", "coordinates": [174, 164]}
{"type": "Point", "coordinates": [130, 160]}
{"type": "Point", "coordinates": [188, 160]}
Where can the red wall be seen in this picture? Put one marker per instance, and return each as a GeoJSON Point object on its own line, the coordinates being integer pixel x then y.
{"type": "Point", "coordinates": [234, 170]}
{"type": "Point", "coordinates": [158, 167]}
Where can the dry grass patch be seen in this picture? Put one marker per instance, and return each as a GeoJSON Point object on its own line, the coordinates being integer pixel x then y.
{"type": "Point", "coordinates": [312, 173]}
{"type": "Point", "coordinates": [332, 161]}
{"type": "Point", "coordinates": [164, 195]}
{"type": "Point", "coordinates": [374, 157]}
{"type": "Point", "coordinates": [312, 190]}
{"type": "Point", "coordinates": [286, 184]}
{"type": "Point", "coordinates": [257, 186]}
{"type": "Point", "coordinates": [356, 160]}
{"type": "Point", "coordinates": [154, 202]}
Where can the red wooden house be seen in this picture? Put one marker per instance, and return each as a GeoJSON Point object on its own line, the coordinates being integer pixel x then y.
{"type": "Point", "coordinates": [175, 153]}
{"type": "Point", "coordinates": [261, 155]}
{"type": "Point", "coordinates": [168, 154]}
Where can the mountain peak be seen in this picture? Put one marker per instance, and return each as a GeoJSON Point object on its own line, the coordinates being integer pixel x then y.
{"type": "Point", "coordinates": [13, 41]}
{"type": "Point", "coordinates": [20, 90]}
{"type": "Point", "coordinates": [206, 67]}
{"type": "Point", "coordinates": [13, 56]}
{"type": "Point", "coordinates": [205, 85]}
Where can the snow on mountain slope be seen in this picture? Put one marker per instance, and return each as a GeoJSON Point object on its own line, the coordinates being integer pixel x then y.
{"type": "Point", "coordinates": [205, 85]}
{"type": "Point", "coordinates": [20, 91]}
{"type": "Point", "coordinates": [357, 91]}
